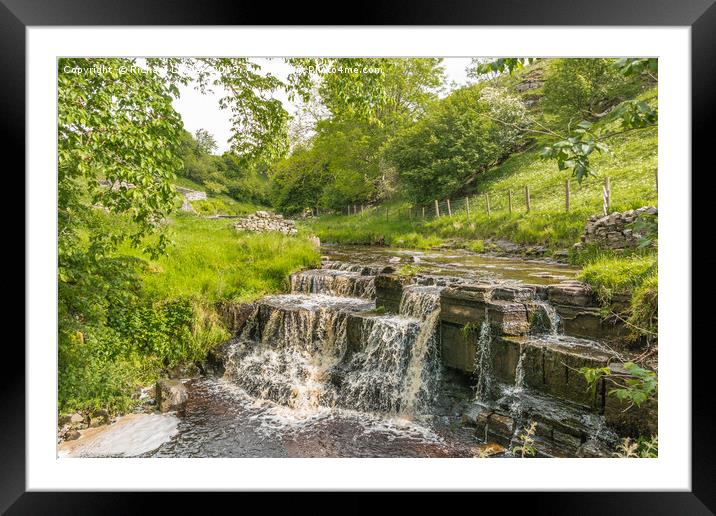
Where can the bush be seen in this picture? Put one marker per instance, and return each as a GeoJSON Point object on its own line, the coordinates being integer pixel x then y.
{"type": "Point", "coordinates": [477, 246]}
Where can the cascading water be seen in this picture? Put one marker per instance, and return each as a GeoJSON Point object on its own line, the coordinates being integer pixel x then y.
{"type": "Point", "coordinates": [333, 282]}
{"type": "Point", "coordinates": [483, 364]}
{"type": "Point", "coordinates": [398, 370]}
{"type": "Point", "coordinates": [548, 318]}
{"type": "Point", "coordinates": [375, 378]}
{"type": "Point", "coordinates": [423, 374]}
{"type": "Point", "coordinates": [300, 340]}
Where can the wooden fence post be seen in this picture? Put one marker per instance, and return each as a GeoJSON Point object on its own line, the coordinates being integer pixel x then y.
{"type": "Point", "coordinates": [567, 195]}
{"type": "Point", "coordinates": [527, 198]}
{"type": "Point", "coordinates": [607, 196]}
{"type": "Point", "coordinates": [449, 210]}
{"type": "Point", "coordinates": [437, 208]}
{"type": "Point", "coordinates": [467, 207]}
{"type": "Point", "coordinates": [423, 212]}
{"type": "Point", "coordinates": [487, 203]}
{"type": "Point", "coordinates": [361, 209]}
{"type": "Point", "coordinates": [509, 200]}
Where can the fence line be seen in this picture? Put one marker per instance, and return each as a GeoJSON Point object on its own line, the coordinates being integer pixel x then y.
{"type": "Point", "coordinates": [489, 202]}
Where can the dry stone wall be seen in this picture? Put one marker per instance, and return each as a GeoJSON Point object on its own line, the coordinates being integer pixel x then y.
{"type": "Point", "coordinates": [615, 231]}
{"type": "Point", "coordinates": [263, 221]}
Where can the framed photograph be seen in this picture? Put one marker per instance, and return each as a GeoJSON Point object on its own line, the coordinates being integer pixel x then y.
{"type": "Point", "coordinates": [431, 251]}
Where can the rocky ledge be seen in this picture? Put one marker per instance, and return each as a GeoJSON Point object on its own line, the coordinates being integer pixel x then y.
{"type": "Point", "coordinates": [263, 221]}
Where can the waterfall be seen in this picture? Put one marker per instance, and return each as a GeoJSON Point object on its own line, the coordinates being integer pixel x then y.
{"type": "Point", "coordinates": [300, 342]}
{"type": "Point", "coordinates": [548, 318]}
{"type": "Point", "coordinates": [375, 377]}
{"type": "Point", "coordinates": [520, 371]}
{"type": "Point", "coordinates": [423, 373]}
{"type": "Point", "coordinates": [333, 282]}
{"type": "Point", "coordinates": [483, 365]}
{"type": "Point", "coordinates": [364, 270]}
{"type": "Point", "coordinates": [419, 301]}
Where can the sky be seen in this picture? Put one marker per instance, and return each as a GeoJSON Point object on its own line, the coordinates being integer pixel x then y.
{"type": "Point", "coordinates": [202, 111]}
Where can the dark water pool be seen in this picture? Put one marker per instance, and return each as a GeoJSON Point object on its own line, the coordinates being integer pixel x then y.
{"type": "Point", "coordinates": [222, 421]}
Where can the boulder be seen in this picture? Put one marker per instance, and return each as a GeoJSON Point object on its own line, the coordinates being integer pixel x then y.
{"type": "Point", "coordinates": [171, 395]}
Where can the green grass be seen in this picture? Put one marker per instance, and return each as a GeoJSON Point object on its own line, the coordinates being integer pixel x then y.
{"type": "Point", "coordinates": [611, 275]}
{"type": "Point", "coordinates": [188, 183]}
{"type": "Point", "coordinates": [174, 320]}
{"type": "Point", "coordinates": [208, 259]}
{"type": "Point", "coordinates": [635, 276]}
{"type": "Point", "coordinates": [224, 205]}
{"type": "Point", "coordinates": [217, 204]}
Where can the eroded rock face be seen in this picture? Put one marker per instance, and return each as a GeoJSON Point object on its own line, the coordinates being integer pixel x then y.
{"type": "Point", "coordinates": [171, 395]}
{"type": "Point", "coordinates": [263, 222]}
{"type": "Point", "coordinates": [615, 231]}
{"type": "Point", "coordinates": [235, 315]}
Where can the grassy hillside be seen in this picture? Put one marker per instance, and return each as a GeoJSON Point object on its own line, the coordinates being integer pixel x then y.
{"type": "Point", "coordinates": [631, 165]}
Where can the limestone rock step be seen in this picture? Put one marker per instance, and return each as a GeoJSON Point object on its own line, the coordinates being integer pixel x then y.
{"type": "Point", "coordinates": [562, 429]}
{"type": "Point", "coordinates": [549, 363]}
{"type": "Point", "coordinates": [517, 309]}
{"type": "Point", "coordinates": [365, 270]}
{"type": "Point", "coordinates": [313, 319]}
{"type": "Point", "coordinates": [333, 282]}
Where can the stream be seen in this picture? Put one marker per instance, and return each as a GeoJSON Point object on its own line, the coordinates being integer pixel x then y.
{"type": "Point", "coordinates": [298, 382]}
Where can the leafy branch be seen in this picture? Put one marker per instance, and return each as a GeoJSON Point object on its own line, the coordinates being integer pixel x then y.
{"type": "Point", "coordinates": [635, 386]}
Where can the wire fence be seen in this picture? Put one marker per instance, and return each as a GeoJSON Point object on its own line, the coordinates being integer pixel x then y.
{"type": "Point", "coordinates": [525, 199]}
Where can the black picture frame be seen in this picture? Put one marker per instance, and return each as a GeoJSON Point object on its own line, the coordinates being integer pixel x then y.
{"type": "Point", "coordinates": [700, 15]}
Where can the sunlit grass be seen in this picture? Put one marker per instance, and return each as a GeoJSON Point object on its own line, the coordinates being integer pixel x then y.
{"type": "Point", "coordinates": [210, 260]}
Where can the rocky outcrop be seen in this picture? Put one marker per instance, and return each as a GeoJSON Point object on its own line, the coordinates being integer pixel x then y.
{"type": "Point", "coordinates": [615, 231]}
{"type": "Point", "coordinates": [263, 222]}
{"type": "Point", "coordinates": [235, 315]}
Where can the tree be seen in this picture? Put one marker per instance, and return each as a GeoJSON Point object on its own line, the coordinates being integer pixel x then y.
{"type": "Point", "coordinates": [582, 88]}
{"type": "Point", "coordinates": [205, 140]}
{"type": "Point", "coordinates": [589, 82]}
{"type": "Point", "coordinates": [364, 102]}
{"type": "Point", "coordinates": [298, 181]}
{"type": "Point", "coordinates": [460, 136]}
